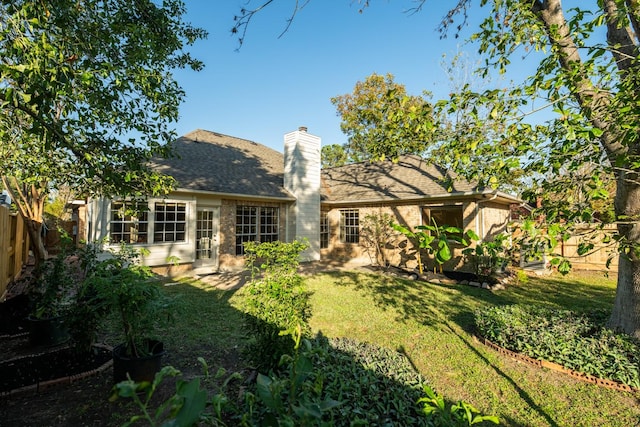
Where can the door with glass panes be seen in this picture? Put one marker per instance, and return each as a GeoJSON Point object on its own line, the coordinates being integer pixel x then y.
{"type": "Point", "coordinates": [207, 237]}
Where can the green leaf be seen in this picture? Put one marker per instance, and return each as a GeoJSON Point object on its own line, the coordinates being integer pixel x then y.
{"type": "Point", "coordinates": [194, 402]}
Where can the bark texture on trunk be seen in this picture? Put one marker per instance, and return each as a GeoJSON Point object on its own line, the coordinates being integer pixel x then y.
{"type": "Point", "coordinates": [34, 228]}
{"type": "Point", "coordinates": [626, 308]}
{"type": "Point", "coordinates": [618, 144]}
{"type": "Point", "coordinates": [30, 203]}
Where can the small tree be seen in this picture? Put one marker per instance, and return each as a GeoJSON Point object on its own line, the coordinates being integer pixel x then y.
{"type": "Point", "coordinates": [87, 97]}
{"type": "Point", "coordinates": [378, 234]}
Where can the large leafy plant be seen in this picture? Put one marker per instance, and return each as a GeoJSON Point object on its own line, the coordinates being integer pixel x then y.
{"type": "Point", "coordinates": [436, 240]}
{"type": "Point", "coordinates": [132, 293]}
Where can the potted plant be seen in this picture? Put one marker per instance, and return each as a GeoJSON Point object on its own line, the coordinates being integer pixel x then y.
{"type": "Point", "coordinates": [132, 295]}
{"type": "Point", "coordinates": [52, 293]}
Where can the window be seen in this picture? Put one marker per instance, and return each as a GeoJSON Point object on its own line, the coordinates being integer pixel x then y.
{"type": "Point", "coordinates": [256, 224]}
{"type": "Point", "coordinates": [268, 224]}
{"type": "Point", "coordinates": [324, 230]}
{"type": "Point", "coordinates": [170, 222]}
{"type": "Point", "coordinates": [444, 215]}
{"type": "Point", "coordinates": [349, 225]}
{"type": "Point", "coordinates": [129, 223]}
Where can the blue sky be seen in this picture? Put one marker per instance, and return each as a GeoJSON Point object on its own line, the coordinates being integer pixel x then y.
{"type": "Point", "coordinates": [273, 85]}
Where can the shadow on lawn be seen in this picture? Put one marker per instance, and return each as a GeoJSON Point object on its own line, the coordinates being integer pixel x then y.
{"type": "Point", "coordinates": [207, 325]}
{"type": "Point", "coordinates": [443, 306]}
{"type": "Point", "coordinates": [436, 304]}
{"type": "Point", "coordinates": [354, 373]}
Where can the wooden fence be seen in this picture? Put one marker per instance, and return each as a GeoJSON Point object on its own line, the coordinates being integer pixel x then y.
{"type": "Point", "coordinates": [597, 258]}
{"type": "Point", "coordinates": [14, 247]}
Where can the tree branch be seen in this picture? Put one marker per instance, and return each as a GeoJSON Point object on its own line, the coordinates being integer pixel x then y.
{"type": "Point", "coordinates": [244, 19]}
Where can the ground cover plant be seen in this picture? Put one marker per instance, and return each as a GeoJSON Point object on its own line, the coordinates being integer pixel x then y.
{"type": "Point", "coordinates": [578, 341]}
{"type": "Point", "coordinates": [431, 325]}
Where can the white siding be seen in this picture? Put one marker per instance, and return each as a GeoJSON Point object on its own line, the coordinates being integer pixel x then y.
{"type": "Point", "coordinates": [302, 179]}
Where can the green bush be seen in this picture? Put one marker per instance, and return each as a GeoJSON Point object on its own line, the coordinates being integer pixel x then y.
{"type": "Point", "coordinates": [577, 341]}
{"type": "Point", "coordinates": [277, 303]}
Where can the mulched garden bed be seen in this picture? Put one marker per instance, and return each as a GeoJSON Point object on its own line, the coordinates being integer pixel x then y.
{"type": "Point", "coordinates": [25, 368]}
{"type": "Point", "coordinates": [36, 369]}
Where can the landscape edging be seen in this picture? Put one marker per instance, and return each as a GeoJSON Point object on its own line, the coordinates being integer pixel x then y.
{"type": "Point", "coordinates": [43, 386]}
{"type": "Point", "coordinates": [615, 385]}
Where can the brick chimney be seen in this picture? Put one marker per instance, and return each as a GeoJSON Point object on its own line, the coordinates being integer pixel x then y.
{"type": "Point", "coordinates": [302, 179]}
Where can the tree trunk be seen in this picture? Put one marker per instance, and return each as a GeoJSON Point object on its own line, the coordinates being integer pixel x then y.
{"type": "Point", "coordinates": [596, 106]}
{"type": "Point", "coordinates": [34, 229]}
{"type": "Point", "coordinates": [29, 201]}
{"type": "Point", "coordinates": [626, 309]}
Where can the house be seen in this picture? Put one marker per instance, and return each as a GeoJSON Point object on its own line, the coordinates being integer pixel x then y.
{"type": "Point", "coordinates": [231, 190]}
{"type": "Point", "coordinates": [412, 191]}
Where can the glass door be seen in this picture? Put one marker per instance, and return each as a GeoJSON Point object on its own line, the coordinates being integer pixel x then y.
{"type": "Point", "coordinates": [207, 237]}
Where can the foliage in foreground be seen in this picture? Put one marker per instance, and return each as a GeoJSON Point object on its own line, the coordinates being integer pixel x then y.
{"type": "Point", "coordinates": [576, 341]}
{"type": "Point", "coordinates": [375, 386]}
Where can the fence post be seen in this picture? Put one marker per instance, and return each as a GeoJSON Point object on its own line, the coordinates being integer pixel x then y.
{"type": "Point", "coordinates": [14, 248]}
{"type": "Point", "coordinates": [5, 249]}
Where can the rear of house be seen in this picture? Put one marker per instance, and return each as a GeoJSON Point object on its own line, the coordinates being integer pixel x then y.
{"type": "Point", "coordinates": [231, 190]}
{"type": "Point", "coordinates": [412, 192]}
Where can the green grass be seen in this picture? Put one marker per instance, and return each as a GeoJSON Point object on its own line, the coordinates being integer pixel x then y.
{"type": "Point", "coordinates": [433, 325]}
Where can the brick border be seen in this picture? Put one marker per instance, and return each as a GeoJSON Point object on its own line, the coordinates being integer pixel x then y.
{"type": "Point", "coordinates": [48, 385]}
{"type": "Point", "coordinates": [614, 385]}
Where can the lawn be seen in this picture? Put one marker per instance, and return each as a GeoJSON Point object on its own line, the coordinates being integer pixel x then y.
{"type": "Point", "coordinates": [433, 325]}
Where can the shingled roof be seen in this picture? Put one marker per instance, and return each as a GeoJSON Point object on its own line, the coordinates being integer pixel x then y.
{"type": "Point", "coordinates": [411, 178]}
{"type": "Point", "coordinates": [222, 164]}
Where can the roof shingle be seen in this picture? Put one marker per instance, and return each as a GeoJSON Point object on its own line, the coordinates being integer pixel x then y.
{"type": "Point", "coordinates": [209, 161]}
{"type": "Point", "coordinates": [410, 178]}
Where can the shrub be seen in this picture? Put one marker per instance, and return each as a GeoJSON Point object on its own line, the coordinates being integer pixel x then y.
{"type": "Point", "coordinates": [375, 385]}
{"type": "Point", "coordinates": [489, 257]}
{"type": "Point", "coordinates": [577, 341]}
{"type": "Point", "coordinates": [277, 303]}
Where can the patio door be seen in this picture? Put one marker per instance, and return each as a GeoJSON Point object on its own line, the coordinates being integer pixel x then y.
{"type": "Point", "coordinates": [207, 238]}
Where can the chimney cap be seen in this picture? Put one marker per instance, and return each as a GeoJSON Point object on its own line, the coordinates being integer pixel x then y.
{"type": "Point", "coordinates": [302, 128]}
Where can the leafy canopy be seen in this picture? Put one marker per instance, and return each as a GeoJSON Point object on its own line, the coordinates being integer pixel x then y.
{"type": "Point", "coordinates": [87, 92]}
{"type": "Point", "coordinates": [382, 121]}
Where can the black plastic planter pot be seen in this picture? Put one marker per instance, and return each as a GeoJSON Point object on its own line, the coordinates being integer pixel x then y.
{"type": "Point", "coordinates": [139, 369]}
{"type": "Point", "coordinates": [47, 332]}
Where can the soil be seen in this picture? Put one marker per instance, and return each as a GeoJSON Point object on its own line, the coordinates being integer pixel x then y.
{"type": "Point", "coordinates": [22, 365]}
{"type": "Point", "coordinates": [75, 400]}
{"type": "Point", "coordinates": [86, 401]}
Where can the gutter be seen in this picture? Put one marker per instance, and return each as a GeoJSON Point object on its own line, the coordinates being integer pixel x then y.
{"type": "Point", "coordinates": [444, 196]}
{"type": "Point", "coordinates": [236, 196]}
